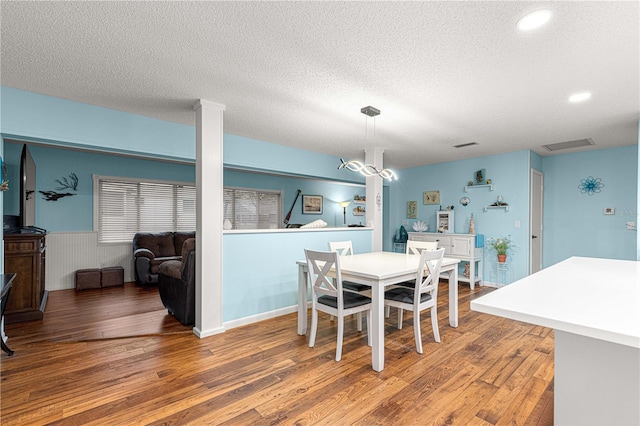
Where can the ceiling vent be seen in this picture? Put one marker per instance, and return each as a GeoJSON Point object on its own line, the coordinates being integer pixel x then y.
{"type": "Point", "coordinates": [569, 144]}
{"type": "Point", "coordinates": [463, 145]}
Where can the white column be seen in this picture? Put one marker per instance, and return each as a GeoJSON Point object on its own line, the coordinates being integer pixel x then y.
{"type": "Point", "coordinates": [209, 216]}
{"type": "Point", "coordinates": [374, 197]}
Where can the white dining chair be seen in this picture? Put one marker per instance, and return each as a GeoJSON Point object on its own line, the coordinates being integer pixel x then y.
{"type": "Point", "coordinates": [423, 296]}
{"type": "Point", "coordinates": [328, 295]}
{"type": "Point", "coordinates": [416, 247]}
{"type": "Point", "coordinates": [345, 248]}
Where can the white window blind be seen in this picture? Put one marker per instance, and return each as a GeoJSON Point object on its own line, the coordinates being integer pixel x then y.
{"type": "Point", "coordinates": [252, 209]}
{"type": "Point", "coordinates": [126, 206]}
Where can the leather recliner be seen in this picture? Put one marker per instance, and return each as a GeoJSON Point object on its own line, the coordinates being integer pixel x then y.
{"type": "Point", "coordinates": [150, 250]}
{"type": "Point", "coordinates": [177, 284]}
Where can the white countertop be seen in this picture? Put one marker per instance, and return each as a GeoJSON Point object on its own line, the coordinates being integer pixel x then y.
{"type": "Point", "coordinates": [597, 298]}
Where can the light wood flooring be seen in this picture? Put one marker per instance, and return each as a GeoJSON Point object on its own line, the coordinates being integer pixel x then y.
{"type": "Point", "coordinates": [115, 357]}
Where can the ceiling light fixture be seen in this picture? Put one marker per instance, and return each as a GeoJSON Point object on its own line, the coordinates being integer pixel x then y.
{"type": "Point", "coordinates": [579, 97]}
{"type": "Point", "coordinates": [534, 20]}
{"type": "Point", "coordinates": [364, 168]}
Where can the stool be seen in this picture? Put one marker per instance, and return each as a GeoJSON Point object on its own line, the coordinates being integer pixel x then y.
{"type": "Point", "coordinates": [112, 276]}
{"type": "Point", "coordinates": [87, 278]}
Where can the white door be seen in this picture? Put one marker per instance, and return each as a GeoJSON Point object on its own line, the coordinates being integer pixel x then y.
{"type": "Point", "coordinates": [535, 246]}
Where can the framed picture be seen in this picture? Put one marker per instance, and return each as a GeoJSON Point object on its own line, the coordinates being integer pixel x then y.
{"type": "Point", "coordinates": [359, 211]}
{"type": "Point", "coordinates": [359, 199]}
{"type": "Point", "coordinates": [412, 209]}
{"type": "Point", "coordinates": [431, 197]}
{"type": "Point", "coordinates": [311, 204]}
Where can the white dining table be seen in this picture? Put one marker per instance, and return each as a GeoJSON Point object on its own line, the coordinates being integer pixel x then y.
{"type": "Point", "coordinates": [378, 270]}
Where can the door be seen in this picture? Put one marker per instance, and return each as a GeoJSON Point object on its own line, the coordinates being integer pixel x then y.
{"type": "Point", "coordinates": [535, 246]}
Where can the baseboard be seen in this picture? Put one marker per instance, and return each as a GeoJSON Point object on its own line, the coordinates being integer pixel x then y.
{"type": "Point", "coordinates": [261, 317]}
{"type": "Point", "coordinates": [207, 333]}
{"type": "Point", "coordinates": [490, 284]}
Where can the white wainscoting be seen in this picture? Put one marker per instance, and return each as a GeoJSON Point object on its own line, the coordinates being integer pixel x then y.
{"type": "Point", "coordinates": [70, 251]}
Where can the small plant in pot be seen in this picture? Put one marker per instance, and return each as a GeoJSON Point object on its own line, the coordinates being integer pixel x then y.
{"type": "Point", "coordinates": [502, 246]}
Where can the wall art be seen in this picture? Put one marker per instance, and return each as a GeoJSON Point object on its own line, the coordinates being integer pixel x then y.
{"type": "Point", "coordinates": [412, 209]}
{"type": "Point", "coordinates": [311, 204]}
{"type": "Point", "coordinates": [590, 185]}
{"type": "Point", "coordinates": [431, 197]}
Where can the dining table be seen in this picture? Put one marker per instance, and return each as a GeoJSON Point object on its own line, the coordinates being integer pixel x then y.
{"type": "Point", "coordinates": [378, 270]}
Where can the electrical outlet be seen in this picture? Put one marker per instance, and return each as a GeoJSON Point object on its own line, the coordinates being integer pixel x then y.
{"type": "Point", "coordinates": [517, 224]}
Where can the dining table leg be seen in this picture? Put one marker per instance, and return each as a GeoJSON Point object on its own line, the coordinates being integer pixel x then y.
{"type": "Point", "coordinates": [377, 325]}
{"type": "Point", "coordinates": [453, 297]}
{"type": "Point", "coordinates": [302, 300]}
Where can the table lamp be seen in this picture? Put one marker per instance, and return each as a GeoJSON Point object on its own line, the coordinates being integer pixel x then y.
{"type": "Point", "coordinates": [344, 205]}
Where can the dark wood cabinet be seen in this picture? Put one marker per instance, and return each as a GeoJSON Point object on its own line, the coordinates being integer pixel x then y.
{"type": "Point", "coordinates": [24, 255]}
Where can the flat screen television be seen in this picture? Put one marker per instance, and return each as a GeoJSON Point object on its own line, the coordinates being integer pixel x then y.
{"type": "Point", "coordinates": [27, 189]}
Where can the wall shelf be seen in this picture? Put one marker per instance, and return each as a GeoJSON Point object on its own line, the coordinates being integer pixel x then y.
{"type": "Point", "coordinates": [466, 188]}
{"type": "Point", "coordinates": [506, 208]}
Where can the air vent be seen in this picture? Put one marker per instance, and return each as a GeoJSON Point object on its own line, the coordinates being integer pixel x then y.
{"type": "Point", "coordinates": [569, 144]}
{"type": "Point", "coordinates": [463, 145]}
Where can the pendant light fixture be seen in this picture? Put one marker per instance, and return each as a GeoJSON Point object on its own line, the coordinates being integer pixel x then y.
{"type": "Point", "coordinates": [365, 168]}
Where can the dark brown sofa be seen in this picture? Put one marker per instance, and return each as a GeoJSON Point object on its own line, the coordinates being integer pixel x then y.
{"type": "Point", "coordinates": [177, 284]}
{"type": "Point", "coordinates": [150, 250]}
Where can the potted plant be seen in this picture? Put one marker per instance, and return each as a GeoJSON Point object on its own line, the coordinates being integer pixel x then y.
{"type": "Point", "coordinates": [502, 246]}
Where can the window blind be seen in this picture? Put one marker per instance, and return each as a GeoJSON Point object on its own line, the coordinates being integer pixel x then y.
{"type": "Point", "coordinates": [126, 206]}
{"type": "Point", "coordinates": [252, 209]}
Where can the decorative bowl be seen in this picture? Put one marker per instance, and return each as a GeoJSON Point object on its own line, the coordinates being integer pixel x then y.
{"type": "Point", "coordinates": [420, 226]}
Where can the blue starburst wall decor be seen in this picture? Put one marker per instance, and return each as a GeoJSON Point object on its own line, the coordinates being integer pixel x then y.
{"type": "Point", "coordinates": [590, 185]}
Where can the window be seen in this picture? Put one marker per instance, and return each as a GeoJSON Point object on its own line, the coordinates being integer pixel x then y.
{"type": "Point", "coordinates": [252, 208]}
{"type": "Point", "coordinates": [124, 206]}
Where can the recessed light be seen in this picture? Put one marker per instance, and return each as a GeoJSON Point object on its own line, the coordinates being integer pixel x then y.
{"type": "Point", "coordinates": [534, 20]}
{"type": "Point", "coordinates": [579, 97]}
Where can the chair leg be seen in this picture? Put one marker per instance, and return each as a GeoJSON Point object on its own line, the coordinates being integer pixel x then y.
{"type": "Point", "coordinates": [387, 311]}
{"type": "Point", "coordinates": [340, 338]}
{"type": "Point", "coordinates": [369, 338]}
{"type": "Point", "coordinates": [359, 321]}
{"type": "Point", "coordinates": [434, 324]}
{"type": "Point", "coordinates": [416, 329]}
{"type": "Point", "coordinates": [400, 311]}
{"type": "Point", "coordinates": [314, 327]}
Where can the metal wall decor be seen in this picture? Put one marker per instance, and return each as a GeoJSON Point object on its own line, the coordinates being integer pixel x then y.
{"type": "Point", "coordinates": [590, 185]}
{"type": "Point", "coordinates": [63, 183]}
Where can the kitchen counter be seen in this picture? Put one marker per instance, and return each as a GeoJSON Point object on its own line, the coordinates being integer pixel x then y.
{"type": "Point", "coordinates": [594, 307]}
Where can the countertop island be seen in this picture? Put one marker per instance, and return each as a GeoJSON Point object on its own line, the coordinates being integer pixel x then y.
{"type": "Point", "coordinates": [594, 307]}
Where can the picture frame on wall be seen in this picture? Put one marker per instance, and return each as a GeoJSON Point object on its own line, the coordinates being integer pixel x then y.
{"type": "Point", "coordinates": [412, 209]}
{"type": "Point", "coordinates": [431, 197]}
{"type": "Point", "coordinates": [311, 204]}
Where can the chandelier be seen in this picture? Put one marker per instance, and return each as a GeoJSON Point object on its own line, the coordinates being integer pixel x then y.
{"type": "Point", "coordinates": [364, 168]}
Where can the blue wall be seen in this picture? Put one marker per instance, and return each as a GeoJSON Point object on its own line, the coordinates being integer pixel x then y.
{"type": "Point", "coordinates": [270, 280]}
{"type": "Point", "coordinates": [510, 176]}
{"type": "Point", "coordinates": [574, 223]}
{"type": "Point", "coordinates": [75, 213]}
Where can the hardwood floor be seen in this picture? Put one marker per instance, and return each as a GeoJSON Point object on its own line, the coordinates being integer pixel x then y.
{"type": "Point", "coordinates": [71, 369]}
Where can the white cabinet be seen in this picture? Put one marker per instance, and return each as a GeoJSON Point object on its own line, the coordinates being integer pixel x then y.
{"type": "Point", "coordinates": [458, 246]}
{"type": "Point", "coordinates": [444, 221]}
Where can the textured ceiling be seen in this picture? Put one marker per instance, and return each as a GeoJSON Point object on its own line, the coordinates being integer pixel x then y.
{"type": "Point", "coordinates": [297, 73]}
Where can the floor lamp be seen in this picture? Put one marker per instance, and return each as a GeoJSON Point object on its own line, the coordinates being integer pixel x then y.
{"type": "Point", "coordinates": [344, 205]}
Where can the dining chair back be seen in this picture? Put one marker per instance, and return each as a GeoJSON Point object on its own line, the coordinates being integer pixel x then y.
{"type": "Point", "coordinates": [424, 295]}
{"type": "Point", "coordinates": [416, 247]}
{"type": "Point", "coordinates": [328, 295]}
{"type": "Point", "coordinates": [344, 248]}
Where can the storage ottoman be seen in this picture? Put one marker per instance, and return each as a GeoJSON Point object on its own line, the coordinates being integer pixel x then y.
{"type": "Point", "coordinates": [87, 278]}
{"type": "Point", "coordinates": [112, 276]}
